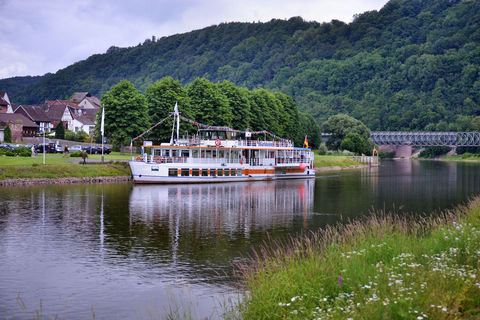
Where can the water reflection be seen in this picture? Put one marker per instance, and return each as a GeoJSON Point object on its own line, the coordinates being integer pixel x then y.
{"type": "Point", "coordinates": [120, 248]}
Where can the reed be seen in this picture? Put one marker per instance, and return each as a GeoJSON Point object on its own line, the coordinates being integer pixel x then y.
{"type": "Point", "coordinates": [383, 267]}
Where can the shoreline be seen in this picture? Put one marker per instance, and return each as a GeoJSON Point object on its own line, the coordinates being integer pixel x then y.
{"type": "Point", "coordinates": [339, 168]}
{"type": "Point", "coordinates": [62, 181]}
{"type": "Point", "coordinates": [18, 182]}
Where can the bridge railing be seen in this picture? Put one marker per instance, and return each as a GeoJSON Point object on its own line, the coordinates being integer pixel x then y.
{"type": "Point", "coordinates": [424, 139]}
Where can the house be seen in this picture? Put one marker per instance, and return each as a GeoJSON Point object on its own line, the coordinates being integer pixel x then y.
{"type": "Point", "coordinates": [20, 126]}
{"type": "Point", "coordinates": [74, 117]}
{"type": "Point", "coordinates": [5, 105]}
{"type": "Point", "coordinates": [90, 105]}
{"type": "Point", "coordinates": [37, 115]}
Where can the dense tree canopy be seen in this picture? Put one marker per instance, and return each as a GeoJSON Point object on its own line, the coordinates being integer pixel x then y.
{"type": "Point", "coordinates": [340, 126]}
{"type": "Point", "coordinates": [126, 112]}
{"type": "Point", "coordinates": [413, 65]}
{"type": "Point", "coordinates": [220, 104]}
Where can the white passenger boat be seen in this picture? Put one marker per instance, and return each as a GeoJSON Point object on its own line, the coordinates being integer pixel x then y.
{"type": "Point", "coordinates": [220, 154]}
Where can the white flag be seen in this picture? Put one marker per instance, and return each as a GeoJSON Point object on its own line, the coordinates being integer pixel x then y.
{"type": "Point", "coordinates": [102, 126]}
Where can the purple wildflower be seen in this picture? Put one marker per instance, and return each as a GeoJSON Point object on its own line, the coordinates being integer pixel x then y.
{"type": "Point", "coordinates": [340, 281]}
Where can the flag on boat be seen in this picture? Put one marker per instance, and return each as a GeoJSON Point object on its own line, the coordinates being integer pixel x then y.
{"type": "Point", "coordinates": [131, 145]}
{"type": "Point", "coordinates": [102, 125]}
{"type": "Point", "coordinates": [306, 142]}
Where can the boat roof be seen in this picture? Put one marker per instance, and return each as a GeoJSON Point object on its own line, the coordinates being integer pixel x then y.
{"type": "Point", "coordinates": [232, 148]}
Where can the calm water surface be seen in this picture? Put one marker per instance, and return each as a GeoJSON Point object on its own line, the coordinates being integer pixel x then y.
{"type": "Point", "coordinates": [135, 252]}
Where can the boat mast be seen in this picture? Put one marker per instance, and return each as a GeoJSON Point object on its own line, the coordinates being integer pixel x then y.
{"type": "Point", "coordinates": [176, 115]}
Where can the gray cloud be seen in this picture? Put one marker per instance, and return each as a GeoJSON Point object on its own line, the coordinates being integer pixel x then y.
{"type": "Point", "coordinates": [44, 36]}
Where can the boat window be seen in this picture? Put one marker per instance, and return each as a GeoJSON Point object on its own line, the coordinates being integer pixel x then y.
{"type": "Point", "coordinates": [174, 153]}
{"type": "Point", "coordinates": [234, 172]}
{"type": "Point", "coordinates": [208, 153]}
{"type": "Point", "coordinates": [213, 172]}
{"type": "Point", "coordinates": [185, 172]}
{"type": "Point", "coordinates": [227, 172]}
{"type": "Point", "coordinates": [221, 135]}
{"type": "Point", "coordinates": [220, 172]}
{"type": "Point", "coordinates": [195, 172]}
{"type": "Point", "coordinates": [213, 135]}
{"type": "Point", "coordinates": [239, 172]}
{"type": "Point", "coordinates": [204, 172]}
{"type": "Point", "coordinates": [185, 153]}
{"type": "Point", "coordinates": [195, 153]}
{"type": "Point", "coordinates": [221, 153]}
{"type": "Point", "coordinates": [172, 172]}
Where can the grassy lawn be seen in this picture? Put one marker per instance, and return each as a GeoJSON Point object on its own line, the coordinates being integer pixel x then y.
{"type": "Point", "coordinates": [58, 166]}
{"type": "Point", "coordinates": [384, 267]}
{"type": "Point", "coordinates": [465, 156]}
{"type": "Point", "coordinates": [334, 161]}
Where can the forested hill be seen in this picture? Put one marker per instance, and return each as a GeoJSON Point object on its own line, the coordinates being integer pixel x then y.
{"type": "Point", "coordinates": [415, 64]}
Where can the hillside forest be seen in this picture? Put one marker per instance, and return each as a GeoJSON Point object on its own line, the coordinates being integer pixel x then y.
{"type": "Point", "coordinates": [412, 65]}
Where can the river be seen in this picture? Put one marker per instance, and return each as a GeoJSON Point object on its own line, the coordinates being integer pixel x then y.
{"type": "Point", "coordinates": [120, 251]}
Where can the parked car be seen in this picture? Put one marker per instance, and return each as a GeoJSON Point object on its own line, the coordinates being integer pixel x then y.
{"type": "Point", "coordinates": [106, 150]}
{"type": "Point", "coordinates": [74, 148]}
{"type": "Point", "coordinates": [58, 148]}
{"type": "Point", "coordinates": [6, 146]}
{"type": "Point", "coordinates": [48, 149]}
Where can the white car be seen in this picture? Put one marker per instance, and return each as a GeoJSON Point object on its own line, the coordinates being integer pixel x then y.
{"type": "Point", "coordinates": [75, 148]}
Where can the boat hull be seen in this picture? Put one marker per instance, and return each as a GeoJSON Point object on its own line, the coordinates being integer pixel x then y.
{"type": "Point", "coordinates": [147, 173]}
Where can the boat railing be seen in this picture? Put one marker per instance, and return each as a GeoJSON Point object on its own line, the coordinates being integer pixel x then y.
{"type": "Point", "coordinates": [159, 159]}
{"type": "Point", "coordinates": [260, 143]}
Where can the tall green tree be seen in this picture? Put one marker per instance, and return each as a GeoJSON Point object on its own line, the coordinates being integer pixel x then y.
{"type": "Point", "coordinates": [239, 104]}
{"type": "Point", "coordinates": [161, 98]}
{"type": "Point", "coordinates": [60, 131]}
{"type": "Point", "coordinates": [339, 126]}
{"type": "Point", "coordinates": [126, 112]}
{"type": "Point", "coordinates": [210, 106]}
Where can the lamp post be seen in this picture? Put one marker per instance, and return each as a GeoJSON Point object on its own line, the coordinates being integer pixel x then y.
{"type": "Point", "coordinates": [44, 145]}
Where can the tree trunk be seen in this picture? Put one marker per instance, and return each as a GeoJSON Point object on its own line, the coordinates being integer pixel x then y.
{"type": "Point", "coordinates": [121, 147]}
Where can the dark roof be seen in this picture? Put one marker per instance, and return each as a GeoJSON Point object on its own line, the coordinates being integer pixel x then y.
{"type": "Point", "coordinates": [91, 114]}
{"type": "Point", "coordinates": [84, 120]}
{"type": "Point", "coordinates": [14, 117]}
{"type": "Point", "coordinates": [79, 96]}
{"type": "Point", "coordinates": [34, 112]}
{"type": "Point", "coordinates": [3, 102]}
{"type": "Point", "coordinates": [94, 101]}
{"type": "Point", "coordinates": [55, 111]}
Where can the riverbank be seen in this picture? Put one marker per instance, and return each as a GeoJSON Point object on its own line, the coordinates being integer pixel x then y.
{"type": "Point", "coordinates": [385, 267]}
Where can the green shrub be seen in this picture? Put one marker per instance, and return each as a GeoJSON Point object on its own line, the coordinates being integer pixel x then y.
{"type": "Point", "coordinates": [433, 152]}
{"type": "Point", "coordinates": [76, 154]}
{"type": "Point", "coordinates": [7, 135]}
{"type": "Point", "coordinates": [386, 154]}
{"type": "Point", "coordinates": [322, 150]}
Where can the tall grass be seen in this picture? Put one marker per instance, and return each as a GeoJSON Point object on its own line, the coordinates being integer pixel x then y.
{"type": "Point", "coordinates": [385, 267]}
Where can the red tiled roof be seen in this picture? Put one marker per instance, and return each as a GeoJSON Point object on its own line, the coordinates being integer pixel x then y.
{"type": "Point", "coordinates": [14, 117]}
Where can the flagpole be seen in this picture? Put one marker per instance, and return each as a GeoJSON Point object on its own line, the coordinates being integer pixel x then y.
{"type": "Point", "coordinates": [102, 127]}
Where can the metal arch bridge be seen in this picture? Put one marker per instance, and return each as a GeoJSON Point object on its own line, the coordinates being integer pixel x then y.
{"type": "Point", "coordinates": [426, 139]}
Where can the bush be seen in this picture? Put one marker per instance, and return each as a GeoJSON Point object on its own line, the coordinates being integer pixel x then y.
{"type": "Point", "coordinates": [69, 135]}
{"type": "Point", "coordinates": [433, 152]}
{"type": "Point", "coordinates": [322, 150]}
{"type": "Point", "coordinates": [20, 152]}
{"type": "Point", "coordinates": [386, 154]}
{"type": "Point", "coordinates": [76, 154]}
{"type": "Point", "coordinates": [81, 136]}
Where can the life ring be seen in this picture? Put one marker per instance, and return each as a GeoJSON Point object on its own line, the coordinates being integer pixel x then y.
{"type": "Point", "coordinates": [158, 159]}
{"type": "Point", "coordinates": [241, 160]}
{"type": "Point", "coordinates": [218, 142]}
{"type": "Point", "coordinates": [139, 158]}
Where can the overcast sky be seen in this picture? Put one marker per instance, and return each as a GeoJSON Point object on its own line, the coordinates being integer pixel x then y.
{"type": "Point", "coordinates": [40, 36]}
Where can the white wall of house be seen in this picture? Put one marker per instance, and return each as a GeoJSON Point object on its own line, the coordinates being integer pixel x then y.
{"type": "Point", "coordinates": [78, 126]}
{"type": "Point", "coordinates": [2, 135]}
